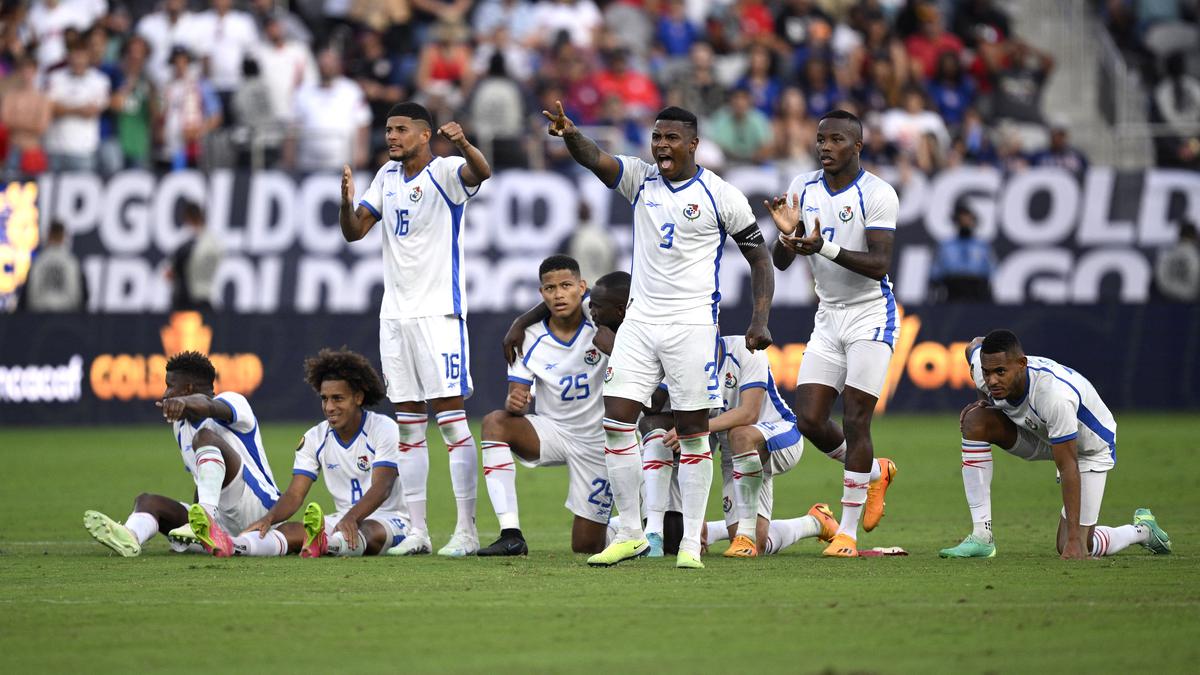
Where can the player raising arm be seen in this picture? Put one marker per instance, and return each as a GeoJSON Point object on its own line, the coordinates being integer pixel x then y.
{"type": "Point", "coordinates": [423, 339]}
{"type": "Point", "coordinates": [843, 219]}
{"type": "Point", "coordinates": [682, 215]}
{"type": "Point", "coordinates": [356, 450]}
{"type": "Point", "coordinates": [1038, 409]}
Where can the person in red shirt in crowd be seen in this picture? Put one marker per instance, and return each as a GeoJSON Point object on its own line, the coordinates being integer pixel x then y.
{"type": "Point", "coordinates": [926, 45]}
{"type": "Point", "coordinates": [637, 91]}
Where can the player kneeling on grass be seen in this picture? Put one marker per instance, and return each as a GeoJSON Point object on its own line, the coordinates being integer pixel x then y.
{"type": "Point", "coordinates": [561, 362]}
{"type": "Point", "coordinates": [1038, 409]}
{"type": "Point", "coordinates": [222, 450]}
{"type": "Point", "coordinates": [356, 449]}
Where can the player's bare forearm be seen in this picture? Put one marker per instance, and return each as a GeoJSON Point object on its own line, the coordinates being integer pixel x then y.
{"type": "Point", "coordinates": [382, 480]}
{"type": "Point", "coordinates": [782, 256]}
{"type": "Point", "coordinates": [604, 339]}
{"type": "Point", "coordinates": [876, 261]}
{"type": "Point", "coordinates": [477, 168]}
{"type": "Point", "coordinates": [356, 223]}
{"type": "Point", "coordinates": [198, 407]}
{"type": "Point", "coordinates": [516, 332]}
{"type": "Point", "coordinates": [589, 155]}
{"type": "Point", "coordinates": [1066, 459]}
{"type": "Point", "coordinates": [744, 415]}
{"type": "Point", "coordinates": [291, 499]}
{"type": "Point", "coordinates": [762, 284]}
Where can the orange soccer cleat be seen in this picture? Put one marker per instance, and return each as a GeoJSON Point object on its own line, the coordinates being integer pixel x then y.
{"type": "Point", "coordinates": [842, 546]}
{"type": "Point", "coordinates": [873, 511]}
{"type": "Point", "coordinates": [742, 547]}
{"type": "Point", "coordinates": [824, 516]}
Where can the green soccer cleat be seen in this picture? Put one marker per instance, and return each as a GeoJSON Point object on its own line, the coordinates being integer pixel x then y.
{"type": "Point", "coordinates": [971, 547]}
{"type": "Point", "coordinates": [209, 532]}
{"type": "Point", "coordinates": [1158, 543]}
{"type": "Point", "coordinates": [619, 551]}
{"type": "Point", "coordinates": [316, 543]}
{"type": "Point", "coordinates": [112, 534]}
{"type": "Point", "coordinates": [688, 561]}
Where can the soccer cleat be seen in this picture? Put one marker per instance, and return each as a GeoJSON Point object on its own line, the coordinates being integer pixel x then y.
{"type": "Point", "coordinates": [824, 516]}
{"type": "Point", "coordinates": [183, 540]}
{"type": "Point", "coordinates": [656, 545]}
{"type": "Point", "coordinates": [209, 532]}
{"type": "Point", "coordinates": [741, 547]}
{"type": "Point", "coordinates": [971, 547]}
{"type": "Point", "coordinates": [842, 546]}
{"type": "Point", "coordinates": [461, 544]}
{"type": "Point", "coordinates": [619, 551]}
{"type": "Point", "coordinates": [416, 543]}
{"type": "Point", "coordinates": [1158, 543]}
{"type": "Point", "coordinates": [511, 542]}
{"type": "Point", "coordinates": [316, 543]}
{"type": "Point", "coordinates": [873, 511]}
{"type": "Point", "coordinates": [687, 561]}
{"type": "Point", "coordinates": [112, 534]}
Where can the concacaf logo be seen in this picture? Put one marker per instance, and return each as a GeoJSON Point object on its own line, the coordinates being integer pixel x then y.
{"type": "Point", "coordinates": [415, 195]}
{"type": "Point", "coordinates": [730, 381]}
{"type": "Point", "coordinates": [692, 211]}
{"type": "Point", "coordinates": [363, 463]}
{"type": "Point", "coordinates": [608, 374]}
{"type": "Point", "coordinates": [846, 214]}
{"type": "Point", "coordinates": [591, 357]}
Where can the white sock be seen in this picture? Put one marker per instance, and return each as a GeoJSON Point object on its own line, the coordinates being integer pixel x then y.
{"type": "Point", "coordinates": [838, 454]}
{"type": "Point", "coordinates": [210, 473]}
{"type": "Point", "coordinates": [273, 544]}
{"type": "Point", "coordinates": [337, 546]}
{"type": "Point", "coordinates": [876, 471]}
{"type": "Point", "coordinates": [464, 465]}
{"type": "Point", "coordinates": [658, 463]}
{"type": "Point", "coordinates": [977, 484]}
{"type": "Point", "coordinates": [783, 533]}
{"type": "Point", "coordinates": [747, 484]}
{"type": "Point", "coordinates": [414, 467]}
{"type": "Point", "coordinates": [143, 526]}
{"type": "Point", "coordinates": [614, 526]}
{"type": "Point", "coordinates": [695, 480]}
{"type": "Point", "coordinates": [1109, 540]}
{"type": "Point", "coordinates": [500, 476]}
{"type": "Point", "coordinates": [623, 459]}
{"type": "Point", "coordinates": [717, 531]}
{"type": "Point", "coordinates": [854, 495]}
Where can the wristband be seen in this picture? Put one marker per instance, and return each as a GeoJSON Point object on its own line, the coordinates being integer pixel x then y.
{"type": "Point", "coordinates": [829, 250]}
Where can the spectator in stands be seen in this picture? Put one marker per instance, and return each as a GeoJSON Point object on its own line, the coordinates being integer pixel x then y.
{"type": "Point", "coordinates": [636, 91]}
{"type": "Point", "coordinates": [287, 65]}
{"type": "Point", "coordinates": [134, 105]}
{"type": "Point", "coordinates": [952, 90]}
{"type": "Point", "coordinates": [592, 245]}
{"type": "Point", "coordinates": [1019, 84]}
{"type": "Point", "coordinates": [980, 22]}
{"type": "Point", "coordinates": [266, 11]}
{"type": "Point", "coordinates": [382, 77]}
{"type": "Point", "coordinates": [444, 72]}
{"type": "Point", "coordinates": [26, 112]}
{"type": "Point", "coordinates": [1177, 269]}
{"type": "Point", "coordinates": [742, 131]}
{"type": "Point", "coordinates": [695, 86]}
{"type": "Point", "coordinates": [821, 93]}
{"type": "Point", "coordinates": [906, 126]}
{"type": "Point", "coordinates": [518, 59]}
{"type": "Point", "coordinates": [517, 16]}
{"type": "Point", "coordinates": [1177, 103]}
{"type": "Point", "coordinates": [973, 144]}
{"type": "Point", "coordinates": [1061, 153]}
{"type": "Point", "coordinates": [794, 133]}
{"type": "Point", "coordinates": [497, 114]}
{"type": "Point", "coordinates": [224, 37]}
{"type": "Point", "coordinates": [388, 17]}
{"type": "Point", "coordinates": [962, 270]}
{"type": "Point", "coordinates": [49, 21]}
{"type": "Point", "coordinates": [55, 282]}
{"type": "Point", "coordinates": [194, 265]}
{"type": "Point", "coordinates": [795, 24]}
{"type": "Point", "coordinates": [675, 32]}
{"type": "Point", "coordinates": [760, 80]}
{"type": "Point", "coordinates": [884, 89]}
{"type": "Point", "coordinates": [190, 111]}
{"type": "Point", "coordinates": [80, 93]}
{"type": "Point", "coordinates": [926, 45]}
{"type": "Point", "coordinates": [627, 26]}
{"type": "Point", "coordinates": [330, 125]}
{"type": "Point", "coordinates": [877, 150]}
{"type": "Point", "coordinates": [164, 30]}
{"type": "Point", "coordinates": [579, 19]}
{"type": "Point", "coordinates": [258, 135]}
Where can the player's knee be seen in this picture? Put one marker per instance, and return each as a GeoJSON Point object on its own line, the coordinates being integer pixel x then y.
{"type": "Point", "coordinates": [976, 424]}
{"type": "Point", "coordinates": [493, 425]}
{"type": "Point", "coordinates": [143, 502]}
{"type": "Point", "coordinates": [810, 422]}
{"type": "Point", "coordinates": [744, 439]}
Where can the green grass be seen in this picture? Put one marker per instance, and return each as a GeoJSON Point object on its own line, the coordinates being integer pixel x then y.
{"type": "Point", "coordinates": [68, 606]}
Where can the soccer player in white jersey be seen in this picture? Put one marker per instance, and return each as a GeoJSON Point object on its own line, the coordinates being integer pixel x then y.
{"type": "Point", "coordinates": [421, 200]}
{"type": "Point", "coordinates": [222, 449]}
{"type": "Point", "coordinates": [843, 219]}
{"type": "Point", "coordinates": [563, 370]}
{"type": "Point", "coordinates": [1038, 409]}
{"type": "Point", "coordinates": [356, 450]}
{"type": "Point", "coordinates": [682, 216]}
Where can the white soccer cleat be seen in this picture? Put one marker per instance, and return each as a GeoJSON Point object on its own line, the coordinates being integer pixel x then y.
{"type": "Point", "coordinates": [416, 543]}
{"type": "Point", "coordinates": [461, 545]}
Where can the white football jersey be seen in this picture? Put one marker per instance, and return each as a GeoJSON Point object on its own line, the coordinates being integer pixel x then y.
{"type": "Point", "coordinates": [1059, 404]}
{"type": "Point", "coordinates": [347, 466]}
{"type": "Point", "coordinates": [566, 377]}
{"type": "Point", "coordinates": [422, 220]}
{"type": "Point", "coordinates": [242, 434]}
{"type": "Point", "coordinates": [679, 236]}
{"type": "Point", "coordinates": [742, 369]}
{"type": "Point", "coordinates": [867, 203]}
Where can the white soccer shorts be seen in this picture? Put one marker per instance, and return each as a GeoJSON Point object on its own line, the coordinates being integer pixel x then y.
{"type": "Point", "coordinates": [684, 356]}
{"type": "Point", "coordinates": [394, 524]}
{"type": "Point", "coordinates": [850, 346]}
{"type": "Point", "coordinates": [425, 358]}
{"type": "Point", "coordinates": [588, 493]}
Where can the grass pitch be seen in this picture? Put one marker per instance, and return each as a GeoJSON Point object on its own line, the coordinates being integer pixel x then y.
{"type": "Point", "coordinates": [66, 605]}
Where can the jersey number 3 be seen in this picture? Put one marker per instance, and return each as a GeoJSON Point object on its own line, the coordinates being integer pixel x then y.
{"type": "Point", "coordinates": [668, 230]}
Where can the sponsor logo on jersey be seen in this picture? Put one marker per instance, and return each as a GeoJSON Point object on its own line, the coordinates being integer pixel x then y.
{"type": "Point", "coordinates": [811, 209]}
{"type": "Point", "coordinates": [651, 204]}
{"type": "Point", "coordinates": [692, 211]}
{"type": "Point", "coordinates": [363, 463]}
{"type": "Point", "coordinates": [332, 465]}
{"type": "Point", "coordinates": [846, 214]}
{"type": "Point", "coordinates": [608, 374]}
{"type": "Point", "coordinates": [550, 366]}
{"type": "Point", "coordinates": [416, 194]}
{"type": "Point", "coordinates": [591, 357]}
{"type": "Point", "coordinates": [730, 381]}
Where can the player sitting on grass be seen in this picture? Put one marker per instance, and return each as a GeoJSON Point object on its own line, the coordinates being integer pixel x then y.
{"type": "Point", "coordinates": [356, 449]}
{"type": "Point", "coordinates": [560, 360]}
{"type": "Point", "coordinates": [222, 450]}
{"type": "Point", "coordinates": [1038, 409]}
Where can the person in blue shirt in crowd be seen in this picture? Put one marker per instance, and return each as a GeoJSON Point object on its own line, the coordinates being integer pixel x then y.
{"type": "Point", "coordinates": [962, 271]}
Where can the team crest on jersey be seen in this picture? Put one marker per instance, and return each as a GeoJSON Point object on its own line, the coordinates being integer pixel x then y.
{"type": "Point", "coordinates": [846, 214]}
{"type": "Point", "coordinates": [1030, 423]}
{"type": "Point", "coordinates": [363, 463]}
{"type": "Point", "coordinates": [416, 194]}
{"type": "Point", "coordinates": [730, 381]}
{"type": "Point", "coordinates": [692, 211]}
{"type": "Point", "coordinates": [591, 357]}
{"type": "Point", "coordinates": [608, 374]}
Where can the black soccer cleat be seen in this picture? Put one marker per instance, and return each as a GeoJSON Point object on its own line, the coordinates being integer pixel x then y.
{"type": "Point", "coordinates": [511, 542]}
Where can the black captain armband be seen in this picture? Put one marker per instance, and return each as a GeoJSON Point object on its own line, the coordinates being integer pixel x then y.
{"type": "Point", "coordinates": [749, 238]}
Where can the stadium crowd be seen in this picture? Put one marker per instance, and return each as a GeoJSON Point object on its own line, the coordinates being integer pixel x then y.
{"type": "Point", "coordinates": [100, 85]}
